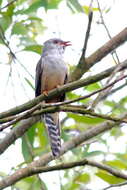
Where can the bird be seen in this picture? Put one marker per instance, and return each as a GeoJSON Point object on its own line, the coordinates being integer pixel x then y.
{"type": "Point", "coordinates": [52, 72]}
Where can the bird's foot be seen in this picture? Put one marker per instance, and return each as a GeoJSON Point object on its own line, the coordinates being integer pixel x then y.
{"type": "Point", "coordinates": [57, 86]}
{"type": "Point", "coordinates": [45, 93]}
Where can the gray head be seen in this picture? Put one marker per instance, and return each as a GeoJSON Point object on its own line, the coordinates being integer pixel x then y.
{"type": "Point", "coordinates": [55, 44]}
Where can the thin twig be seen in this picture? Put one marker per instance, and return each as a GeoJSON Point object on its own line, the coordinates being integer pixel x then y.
{"type": "Point", "coordinates": [99, 54]}
{"type": "Point", "coordinates": [84, 162]}
{"type": "Point", "coordinates": [115, 185]}
{"type": "Point", "coordinates": [31, 153]}
{"type": "Point", "coordinates": [45, 159]}
{"type": "Point", "coordinates": [107, 30]}
{"type": "Point", "coordinates": [114, 90]}
{"type": "Point", "coordinates": [66, 88]}
{"type": "Point", "coordinates": [102, 94]}
{"type": "Point", "coordinates": [69, 108]}
{"type": "Point", "coordinates": [84, 97]}
{"type": "Point", "coordinates": [23, 116]}
{"type": "Point", "coordinates": [8, 4]}
{"type": "Point", "coordinates": [6, 43]}
{"type": "Point", "coordinates": [107, 91]}
{"type": "Point", "coordinates": [28, 113]}
{"type": "Point", "coordinates": [90, 17]}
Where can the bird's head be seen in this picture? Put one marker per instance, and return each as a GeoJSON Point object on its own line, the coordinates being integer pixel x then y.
{"type": "Point", "coordinates": [56, 44]}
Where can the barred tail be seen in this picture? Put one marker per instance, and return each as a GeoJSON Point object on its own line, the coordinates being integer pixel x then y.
{"type": "Point", "coordinates": [52, 124]}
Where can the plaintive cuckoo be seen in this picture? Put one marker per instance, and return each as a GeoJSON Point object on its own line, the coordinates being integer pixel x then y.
{"type": "Point", "coordinates": [51, 72]}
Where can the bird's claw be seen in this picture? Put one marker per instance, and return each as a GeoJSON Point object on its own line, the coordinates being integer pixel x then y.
{"type": "Point", "coordinates": [45, 93]}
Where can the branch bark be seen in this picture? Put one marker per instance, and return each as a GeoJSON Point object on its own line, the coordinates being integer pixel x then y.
{"type": "Point", "coordinates": [29, 113]}
{"type": "Point", "coordinates": [17, 132]}
{"type": "Point", "coordinates": [24, 125]}
{"type": "Point", "coordinates": [115, 185]}
{"type": "Point", "coordinates": [84, 162]}
{"type": "Point", "coordinates": [65, 88]}
{"type": "Point", "coordinates": [43, 160]}
{"type": "Point", "coordinates": [99, 54]}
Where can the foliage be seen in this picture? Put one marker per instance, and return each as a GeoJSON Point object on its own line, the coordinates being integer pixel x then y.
{"type": "Point", "coordinates": [20, 21]}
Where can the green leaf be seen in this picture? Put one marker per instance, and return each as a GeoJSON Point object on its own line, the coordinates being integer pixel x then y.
{"type": "Point", "coordinates": [87, 9]}
{"type": "Point", "coordinates": [93, 153]}
{"type": "Point", "coordinates": [109, 178]}
{"type": "Point", "coordinates": [10, 10]}
{"type": "Point", "coordinates": [93, 87]}
{"type": "Point", "coordinates": [1, 2]}
{"type": "Point", "coordinates": [34, 18]}
{"type": "Point", "coordinates": [74, 5]}
{"type": "Point", "coordinates": [19, 28]}
{"type": "Point", "coordinates": [31, 134]}
{"type": "Point", "coordinates": [38, 184]}
{"type": "Point", "coordinates": [72, 95]}
{"type": "Point", "coordinates": [33, 7]}
{"type": "Point", "coordinates": [27, 144]}
{"type": "Point", "coordinates": [118, 164]}
{"type": "Point", "coordinates": [84, 178]}
{"type": "Point", "coordinates": [85, 119]}
{"type": "Point", "coordinates": [34, 48]}
{"type": "Point", "coordinates": [74, 186]}
{"type": "Point", "coordinates": [25, 149]}
{"type": "Point", "coordinates": [23, 185]}
{"type": "Point", "coordinates": [29, 83]}
{"type": "Point", "coordinates": [110, 103]}
{"type": "Point", "coordinates": [53, 4]}
{"type": "Point", "coordinates": [30, 183]}
{"type": "Point", "coordinates": [26, 40]}
{"type": "Point", "coordinates": [116, 132]}
{"type": "Point", "coordinates": [42, 136]}
{"type": "Point", "coordinates": [107, 10]}
{"type": "Point", "coordinates": [123, 100]}
{"type": "Point", "coordinates": [5, 22]}
{"type": "Point", "coordinates": [122, 157]}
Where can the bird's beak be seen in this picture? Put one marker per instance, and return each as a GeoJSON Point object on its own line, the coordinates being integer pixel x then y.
{"type": "Point", "coordinates": [66, 43]}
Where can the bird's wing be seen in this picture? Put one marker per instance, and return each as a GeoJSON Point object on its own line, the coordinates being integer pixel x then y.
{"type": "Point", "coordinates": [62, 97]}
{"type": "Point", "coordinates": [38, 76]}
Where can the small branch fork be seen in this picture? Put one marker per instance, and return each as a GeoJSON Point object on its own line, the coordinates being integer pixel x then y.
{"type": "Point", "coordinates": [117, 61]}
{"type": "Point", "coordinates": [99, 54]}
{"type": "Point", "coordinates": [65, 88]}
{"type": "Point", "coordinates": [60, 106]}
{"type": "Point", "coordinates": [84, 162]}
{"type": "Point", "coordinates": [33, 105]}
{"type": "Point", "coordinates": [37, 165]}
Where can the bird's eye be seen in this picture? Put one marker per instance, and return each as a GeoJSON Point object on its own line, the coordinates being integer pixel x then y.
{"type": "Point", "coordinates": [56, 41]}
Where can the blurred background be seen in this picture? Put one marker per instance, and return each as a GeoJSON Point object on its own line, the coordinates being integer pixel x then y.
{"type": "Point", "coordinates": [24, 27]}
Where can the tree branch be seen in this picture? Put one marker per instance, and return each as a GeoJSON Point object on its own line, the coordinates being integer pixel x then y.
{"type": "Point", "coordinates": [116, 185]}
{"type": "Point", "coordinates": [24, 125]}
{"type": "Point", "coordinates": [108, 33]}
{"type": "Point", "coordinates": [45, 159]}
{"type": "Point", "coordinates": [65, 88]}
{"type": "Point", "coordinates": [90, 17]}
{"type": "Point", "coordinates": [20, 117]}
{"type": "Point", "coordinates": [84, 162]}
{"type": "Point", "coordinates": [27, 114]}
{"type": "Point", "coordinates": [17, 132]}
{"type": "Point", "coordinates": [99, 54]}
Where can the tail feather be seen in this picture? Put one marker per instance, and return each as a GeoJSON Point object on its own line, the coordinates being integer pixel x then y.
{"type": "Point", "coordinates": [53, 128]}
